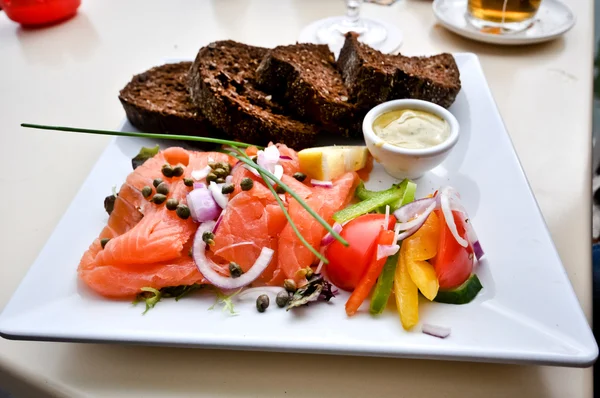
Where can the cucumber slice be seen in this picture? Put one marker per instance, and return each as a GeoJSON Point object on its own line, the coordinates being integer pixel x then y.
{"type": "Point", "coordinates": [462, 294]}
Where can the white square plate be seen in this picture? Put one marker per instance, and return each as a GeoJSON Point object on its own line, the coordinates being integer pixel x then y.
{"type": "Point", "coordinates": [527, 312]}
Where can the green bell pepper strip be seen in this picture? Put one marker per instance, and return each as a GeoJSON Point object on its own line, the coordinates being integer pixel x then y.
{"type": "Point", "coordinates": [409, 195]}
{"type": "Point", "coordinates": [394, 197]}
{"type": "Point", "coordinates": [383, 288]}
{"type": "Point", "coordinates": [363, 193]}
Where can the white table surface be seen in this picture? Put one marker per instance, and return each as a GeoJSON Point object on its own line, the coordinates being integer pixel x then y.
{"type": "Point", "coordinates": [70, 74]}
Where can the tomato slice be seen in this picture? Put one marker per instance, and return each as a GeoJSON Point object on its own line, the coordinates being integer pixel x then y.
{"type": "Point", "coordinates": [347, 264]}
{"type": "Point", "coordinates": [453, 263]}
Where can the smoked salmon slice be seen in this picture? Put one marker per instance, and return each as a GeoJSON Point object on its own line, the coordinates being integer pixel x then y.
{"type": "Point", "coordinates": [149, 245]}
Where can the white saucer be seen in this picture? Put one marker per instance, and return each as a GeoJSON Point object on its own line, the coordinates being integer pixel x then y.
{"type": "Point", "coordinates": [552, 20]}
{"type": "Point", "coordinates": [389, 45]}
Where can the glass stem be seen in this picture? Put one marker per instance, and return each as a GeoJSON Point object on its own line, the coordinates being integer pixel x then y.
{"type": "Point", "coordinates": [353, 12]}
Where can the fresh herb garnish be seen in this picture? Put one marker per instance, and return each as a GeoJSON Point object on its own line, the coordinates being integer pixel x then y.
{"type": "Point", "coordinates": [226, 300]}
{"type": "Point", "coordinates": [316, 289]}
{"type": "Point", "coordinates": [145, 154]}
{"type": "Point", "coordinates": [152, 296]}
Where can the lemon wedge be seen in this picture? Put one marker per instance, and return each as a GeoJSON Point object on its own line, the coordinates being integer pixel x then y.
{"type": "Point", "coordinates": [330, 162]}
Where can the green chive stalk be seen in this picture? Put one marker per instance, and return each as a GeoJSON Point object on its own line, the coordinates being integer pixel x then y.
{"type": "Point", "coordinates": [244, 158]}
{"type": "Point", "coordinates": [140, 135]}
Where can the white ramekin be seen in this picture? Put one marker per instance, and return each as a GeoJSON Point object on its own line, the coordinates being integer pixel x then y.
{"type": "Point", "coordinates": [403, 162]}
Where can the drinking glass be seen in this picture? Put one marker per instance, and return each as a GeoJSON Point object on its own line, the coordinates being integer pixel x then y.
{"type": "Point", "coordinates": [506, 15]}
{"type": "Point", "coordinates": [331, 31]}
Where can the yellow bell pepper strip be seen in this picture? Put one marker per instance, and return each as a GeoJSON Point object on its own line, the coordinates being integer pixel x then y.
{"type": "Point", "coordinates": [385, 282]}
{"type": "Point", "coordinates": [383, 288]}
{"type": "Point", "coordinates": [414, 273]}
{"type": "Point", "coordinates": [362, 290]}
{"type": "Point", "coordinates": [406, 292]}
{"type": "Point", "coordinates": [422, 246]}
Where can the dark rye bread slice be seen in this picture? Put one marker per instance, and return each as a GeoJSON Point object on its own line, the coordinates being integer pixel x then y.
{"type": "Point", "coordinates": [157, 101]}
{"type": "Point", "coordinates": [435, 79]}
{"type": "Point", "coordinates": [373, 77]}
{"type": "Point", "coordinates": [367, 73]}
{"type": "Point", "coordinates": [222, 84]}
{"type": "Point", "coordinates": [305, 79]}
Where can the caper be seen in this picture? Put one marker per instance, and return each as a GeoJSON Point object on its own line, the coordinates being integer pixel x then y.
{"type": "Point", "coordinates": [301, 273]}
{"type": "Point", "coordinates": [220, 180]}
{"type": "Point", "coordinates": [103, 242]}
{"type": "Point", "coordinates": [279, 189]}
{"type": "Point", "coordinates": [219, 172]}
{"type": "Point", "coordinates": [290, 285]}
{"type": "Point", "coordinates": [282, 299]}
{"type": "Point", "coordinates": [213, 165]}
{"type": "Point", "coordinates": [211, 177]}
{"type": "Point", "coordinates": [300, 176]}
{"type": "Point", "coordinates": [172, 204]}
{"type": "Point", "coordinates": [159, 198]}
{"type": "Point", "coordinates": [146, 191]}
{"type": "Point", "coordinates": [309, 273]}
{"type": "Point", "coordinates": [188, 182]}
{"type": "Point", "coordinates": [229, 188]}
{"type": "Point", "coordinates": [183, 211]}
{"type": "Point", "coordinates": [246, 184]}
{"type": "Point", "coordinates": [208, 236]}
{"type": "Point", "coordinates": [157, 182]}
{"type": "Point", "coordinates": [167, 170]}
{"type": "Point", "coordinates": [262, 303]}
{"type": "Point", "coordinates": [163, 188]}
{"type": "Point", "coordinates": [235, 270]}
{"type": "Point", "coordinates": [225, 166]}
{"type": "Point", "coordinates": [178, 170]}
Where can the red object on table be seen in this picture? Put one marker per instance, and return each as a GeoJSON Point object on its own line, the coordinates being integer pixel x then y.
{"type": "Point", "coordinates": [39, 12]}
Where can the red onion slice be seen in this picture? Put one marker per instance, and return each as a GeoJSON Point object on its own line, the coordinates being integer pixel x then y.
{"type": "Point", "coordinates": [229, 179]}
{"type": "Point", "coordinates": [444, 195]}
{"type": "Point", "coordinates": [285, 157]}
{"type": "Point", "coordinates": [406, 234]}
{"type": "Point", "coordinates": [199, 185]}
{"type": "Point", "coordinates": [410, 210]}
{"type": "Point", "coordinates": [201, 174]}
{"type": "Point", "coordinates": [321, 183]}
{"type": "Point", "coordinates": [384, 251]}
{"type": "Point", "coordinates": [268, 157]}
{"type": "Point", "coordinates": [205, 265]}
{"type": "Point", "coordinates": [277, 171]}
{"type": "Point", "coordinates": [217, 195]}
{"type": "Point", "coordinates": [321, 262]}
{"type": "Point", "coordinates": [328, 238]}
{"type": "Point", "coordinates": [202, 205]}
{"type": "Point", "coordinates": [437, 331]}
{"type": "Point", "coordinates": [418, 220]}
{"type": "Point", "coordinates": [478, 250]}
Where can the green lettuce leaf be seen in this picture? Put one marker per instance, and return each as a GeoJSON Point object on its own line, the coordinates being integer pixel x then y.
{"type": "Point", "coordinates": [145, 154]}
